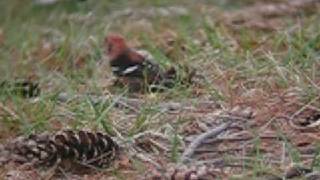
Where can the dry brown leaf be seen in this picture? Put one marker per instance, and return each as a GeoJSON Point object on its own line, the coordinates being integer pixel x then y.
{"type": "Point", "coordinates": [44, 49]}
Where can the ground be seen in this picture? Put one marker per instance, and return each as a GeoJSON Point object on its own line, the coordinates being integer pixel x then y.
{"type": "Point", "coordinates": [257, 64]}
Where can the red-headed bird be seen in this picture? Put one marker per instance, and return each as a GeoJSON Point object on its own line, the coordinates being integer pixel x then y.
{"type": "Point", "coordinates": [136, 68]}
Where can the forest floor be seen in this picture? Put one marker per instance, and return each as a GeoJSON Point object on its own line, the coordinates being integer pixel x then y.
{"type": "Point", "coordinates": [257, 65]}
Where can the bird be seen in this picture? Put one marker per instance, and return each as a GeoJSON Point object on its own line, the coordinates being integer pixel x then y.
{"type": "Point", "coordinates": [136, 69]}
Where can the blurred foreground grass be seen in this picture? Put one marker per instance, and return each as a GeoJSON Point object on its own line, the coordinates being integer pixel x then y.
{"type": "Point", "coordinates": [61, 46]}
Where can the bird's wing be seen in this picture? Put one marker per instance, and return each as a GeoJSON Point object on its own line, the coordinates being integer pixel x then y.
{"type": "Point", "coordinates": [135, 56]}
{"type": "Point", "coordinates": [130, 70]}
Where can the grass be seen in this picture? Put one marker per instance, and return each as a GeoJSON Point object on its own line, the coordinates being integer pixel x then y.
{"type": "Point", "coordinates": [60, 46]}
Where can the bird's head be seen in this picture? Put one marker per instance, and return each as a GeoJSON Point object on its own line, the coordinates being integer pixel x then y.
{"type": "Point", "coordinates": [115, 45]}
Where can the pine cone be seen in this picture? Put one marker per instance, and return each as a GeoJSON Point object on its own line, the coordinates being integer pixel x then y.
{"type": "Point", "coordinates": [83, 147]}
{"type": "Point", "coordinates": [24, 88]}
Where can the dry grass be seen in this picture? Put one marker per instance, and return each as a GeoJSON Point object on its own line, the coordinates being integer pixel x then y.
{"type": "Point", "coordinates": [260, 57]}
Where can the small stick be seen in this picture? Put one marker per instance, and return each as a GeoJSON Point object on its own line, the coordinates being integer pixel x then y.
{"type": "Point", "coordinates": [9, 111]}
{"type": "Point", "coordinates": [147, 159]}
{"type": "Point", "coordinates": [304, 107]}
{"type": "Point", "coordinates": [198, 141]}
{"type": "Point", "coordinates": [148, 134]}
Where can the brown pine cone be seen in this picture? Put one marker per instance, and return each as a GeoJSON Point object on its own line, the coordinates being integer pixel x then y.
{"type": "Point", "coordinates": [24, 88]}
{"type": "Point", "coordinates": [45, 149]}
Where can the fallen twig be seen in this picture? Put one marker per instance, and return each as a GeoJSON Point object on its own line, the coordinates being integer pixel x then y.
{"type": "Point", "coordinates": [306, 106]}
{"type": "Point", "coordinates": [198, 141]}
{"type": "Point", "coordinates": [148, 134]}
{"type": "Point", "coordinates": [9, 111]}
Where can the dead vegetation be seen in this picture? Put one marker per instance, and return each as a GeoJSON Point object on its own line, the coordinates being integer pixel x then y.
{"type": "Point", "coordinates": [270, 16]}
{"type": "Point", "coordinates": [253, 111]}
